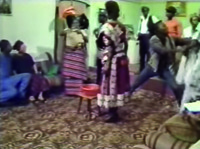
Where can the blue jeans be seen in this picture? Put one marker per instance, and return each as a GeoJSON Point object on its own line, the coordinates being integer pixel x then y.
{"type": "Point", "coordinates": [166, 75]}
{"type": "Point", "coordinates": [14, 87]}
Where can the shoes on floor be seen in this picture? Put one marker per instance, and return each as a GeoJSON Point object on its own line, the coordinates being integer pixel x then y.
{"type": "Point", "coordinates": [113, 119]}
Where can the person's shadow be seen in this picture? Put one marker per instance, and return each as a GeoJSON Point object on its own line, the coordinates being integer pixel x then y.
{"type": "Point", "coordinates": [52, 25]}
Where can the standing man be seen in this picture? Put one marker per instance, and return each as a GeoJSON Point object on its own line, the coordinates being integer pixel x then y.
{"type": "Point", "coordinates": [145, 31]}
{"type": "Point", "coordinates": [102, 20]}
{"type": "Point", "coordinates": [174, 30]}
{"type": "Point", "coordinates": [173, 25]}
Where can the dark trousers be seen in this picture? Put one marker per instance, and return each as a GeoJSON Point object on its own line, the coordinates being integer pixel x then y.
{"type": "Point", "coordinates": [113, 112]}
{"type": "Point", "coordinates": [99, 71]}
{"type": "Point", "coordinates": [144, 49]}
{"type": "Point", "coordinates": [166, 75]}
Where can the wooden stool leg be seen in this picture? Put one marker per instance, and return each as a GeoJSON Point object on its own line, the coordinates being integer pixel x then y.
{"type": "Point", "coordinates": [89, 109]}
{"type": "Point", "coordinates": [80, 103]}
{"type": "Point", "coordinates": [99, 110]}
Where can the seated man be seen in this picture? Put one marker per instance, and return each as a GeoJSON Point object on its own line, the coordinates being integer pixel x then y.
{"type": "Point", "coordinates": [11, 87]}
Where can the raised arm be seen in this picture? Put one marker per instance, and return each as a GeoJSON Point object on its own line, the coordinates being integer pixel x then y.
{"type": "Point", "coordinates": [186, 42]}
{"type": "Point", "coordinates": [158, 47]}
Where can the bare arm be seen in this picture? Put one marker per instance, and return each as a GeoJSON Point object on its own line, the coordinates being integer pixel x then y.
{"type": "Point", "coordinates": [182, 41]}
{"type": "Point", "coordinates": [35, 69]}
{"type": "Point", "coordinates": [187, 43]}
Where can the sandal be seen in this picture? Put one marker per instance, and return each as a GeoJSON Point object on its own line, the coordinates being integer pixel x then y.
{"type": "Point", "coordinates": [32, 99]}
{"type": "Point", "coordinates": [41, 98]}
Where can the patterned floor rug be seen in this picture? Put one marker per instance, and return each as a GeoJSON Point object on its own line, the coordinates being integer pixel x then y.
{"type": "Point", "coordinates": [56, 124]}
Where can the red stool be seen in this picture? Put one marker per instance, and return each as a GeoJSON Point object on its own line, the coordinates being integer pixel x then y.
{"type": "Point", "coordinates": [89, 103]}
{"type": "Point", "coordinates": [88, 93]}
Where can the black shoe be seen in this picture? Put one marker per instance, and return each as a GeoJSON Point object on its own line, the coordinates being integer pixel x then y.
{"type": "Point", "coordinates": [113, 119]}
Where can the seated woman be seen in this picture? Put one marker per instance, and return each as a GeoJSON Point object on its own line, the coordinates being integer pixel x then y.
{"type": "Point", "coordinates": [74, 68]}
{"type": "Point", "coordinates": [23, 63]}
{"type": "Point", "coordinates": [13, 88]}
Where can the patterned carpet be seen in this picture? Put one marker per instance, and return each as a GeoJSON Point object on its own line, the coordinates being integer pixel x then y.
{"type": "Point", "coordinates": [56, 125]}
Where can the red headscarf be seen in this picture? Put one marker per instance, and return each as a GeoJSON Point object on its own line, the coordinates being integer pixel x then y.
{"type": "Point", "coordinates": [68, 11]}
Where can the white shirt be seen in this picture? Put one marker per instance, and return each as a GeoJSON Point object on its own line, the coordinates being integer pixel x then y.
{"type": "Point", "coordinates": [143, 24]}
{"type": "Point", "coordinates": [187, 33]}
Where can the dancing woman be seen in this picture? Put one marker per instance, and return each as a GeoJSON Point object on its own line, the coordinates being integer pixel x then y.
{"type": "Point", "coordinates": [74, 60]}
{"type": "Point", "coordinates": [115, 77]}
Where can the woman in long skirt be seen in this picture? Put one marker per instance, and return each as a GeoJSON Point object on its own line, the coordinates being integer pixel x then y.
{"type": "Point", "coordinates": [74, 60]}
{"type": "Point", "coordinates": [115, 81]}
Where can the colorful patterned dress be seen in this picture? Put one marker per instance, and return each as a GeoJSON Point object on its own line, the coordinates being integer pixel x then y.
{"type": "Point", "coordinates": [115, 72]}
{"type": "Point", "coordinates": [74, 69]}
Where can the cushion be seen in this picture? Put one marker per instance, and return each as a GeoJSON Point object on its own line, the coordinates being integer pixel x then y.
{"type": "Point", "coordinates": [53, 71]}
{"type": "Point", "coordinates": [160, 140]}
{"type": "Point", "coordinates": [184, 127]}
